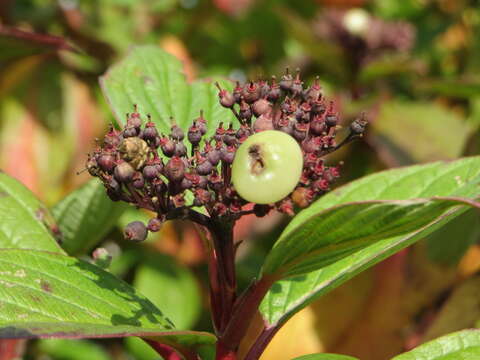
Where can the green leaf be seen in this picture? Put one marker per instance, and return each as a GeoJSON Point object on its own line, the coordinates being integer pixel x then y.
{"type": "Point", "coordinates": [51, 295]}
{"type": "Point", "coordinates": [25, 221]}
{"type": "Point", "coordinates": [325, 356]}
{"type": "Point", "coordinates": [443, 250]}
{"type": "Point", "coordinates": [67, 349]}
{"type": "Point", "coordinates": [171, 287]}
{"type": "Point", "coordinates": [374, 208]}
{"type": "Point", "coordinates": [287, 297]}
{"type": "Point", "coordinates": [462, 345]}
{"type": "Point", "coordinates": [153, 79]}
{"type": "Point", "coordinates": [85, 216]}
{"type": "Point", "coordinates": [410, 132]}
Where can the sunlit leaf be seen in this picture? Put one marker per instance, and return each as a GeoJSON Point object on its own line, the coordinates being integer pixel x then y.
{"type": "Point", "coordinates": [464, 345]}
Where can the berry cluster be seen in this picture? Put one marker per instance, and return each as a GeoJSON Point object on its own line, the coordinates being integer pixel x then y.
{"type": "Point", "coordinates": [362, 35]}
{"type": "Point", "coordinates": [171, 174]}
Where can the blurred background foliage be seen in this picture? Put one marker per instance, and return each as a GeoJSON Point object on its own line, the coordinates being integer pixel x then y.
{"type": "Point", "coordinates": [413, 66]}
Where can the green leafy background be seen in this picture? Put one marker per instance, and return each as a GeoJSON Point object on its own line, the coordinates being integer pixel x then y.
{"type": "Point", "coordinates": [423, 102]}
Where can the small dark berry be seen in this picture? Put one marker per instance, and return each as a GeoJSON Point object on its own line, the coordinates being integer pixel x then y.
{"type": "Point", "coordinates": [318, 126]}
{"type": "Point", "coordinates": [286, 81]}
{"type": "Point", "coordinates": [130, 132]}
{"type": "Point", "coordinates": [202, 197]}
{"type": "Point", "coordinates": [150, 172]}
{"type": "Point", "coordinates": [357, 127]}
{"type": "Point", "coordinates": [261, 106]}
{"type": "Point", "coordinates": [237, 93]}
{"type": "Point", "coordinates": [106, 162]}
{"type": "Point", "coordinates": [300, 131]}
{"type": "Point", "coordinates": [331, 120]}
{"type": "Point", "coordinates": [194, 134]}
{"type": "Point", "coordinates": [275, 91]}
{"type": "Point", "coordinates": [264, 122]}
{"type": "Point", "coordinates": [251, 92]}
{"type": "Point", "coordinates": [245, 112]}
{"type": "Point", "coordinates": [167, 146]}
{"type": "Point", "coordinates": [175, 169]}
{"type": "Point", "coordinates": [154, 224]}
{"type": "Point", "coordinates": [138, 181]}
{"type": "Point", "coordinates": [124, 172]}
{"type": "Point", "coordinates": [228, 154]}
{"type": "Point", "coordinates": [226, 99]}
{"type": "Point", "coordinates": [135, 231]}
{"type": "Point", "coordinates": [150, 132]}
{"type": "Point", "coordinates": [213, 157]}
{"type": "Point", "coordinates": [180, 149]}
{"type": "Point", "coordinates": [204, 168]}
{"type": "Point", "coordinates": [177, 133]}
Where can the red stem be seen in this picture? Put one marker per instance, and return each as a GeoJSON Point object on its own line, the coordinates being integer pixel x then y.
{"type": "Point", "coordinates": [165, 351]}
{"type": "Point", "coordinates": [261, 343]}
{"type": "Point", "coordinates": [243, 314]}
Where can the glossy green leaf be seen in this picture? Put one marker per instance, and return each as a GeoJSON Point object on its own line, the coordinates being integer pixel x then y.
{"type": "Point", "coordinates": [153, 79]}
{"type": "Point", "coordinates": [51, 295]}
{"type": "Point", "coordinates": [171, 287]}
{"type": "Point", "coordinates": [374, 208]}
{"type": "Point", "coordinates": [85, 216]}
{"type": "Point", "coordinates": [287, 297]}
{"type": "Point", "coordinates": [25, 221]}
{"type": "Point", "coordinates": [325, 356]}
{"type": "Point", "coordinates": [462, 345]}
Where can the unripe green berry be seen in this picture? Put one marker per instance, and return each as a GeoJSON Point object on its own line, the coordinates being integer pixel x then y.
{"type": "Point", "coordinates": [267, 167]}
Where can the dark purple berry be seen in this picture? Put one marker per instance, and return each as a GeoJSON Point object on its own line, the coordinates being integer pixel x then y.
{"type": "Point", "coordinates": [226, 99]}
{"type": "Point", "coordinates": [194, 134]}
{"type": "Point", "coordinates": [227, 154]}
{"type": "Point", "coordinates": [264, 122]}
{"type": "Point", "coordinates": [317, 126]}
{"type": "Point", "coordinates": [251, 92]}
{"type": "Point", "coordinates": [202, 197]}
{"type": "Point", "coordinates": [154, 224]}
{"type": "Point", "coordinates": [175, 169]}
{"type": "Point", "coordinates": [167, 146]}
{"type": "Point", "coordinates": [237, 93]}
{"type": "Point", "coordinates": [106, 162]}
{"type": "Point", "coordinates": [138, 181]}
{"type": "Point", "coordinates": [204, 168]}
{"type": "Point", "coordinates": [180, 149]}
{"type": "Point", "coordinates": [130, 132]}
{"type": "Point", "coordinates": [124, 172]}
{"type": "Point", "coordinates": [213, 156]}
{"type": "Point", "coordinates": [150, 172]}
{"type": "Point", "coordinates": [275, 91]}
{"type": "Point", "coordinates": [177, 133]}
{"type": "Point", "coordinates": [331, 120]}
{"type": "Point", "coordinates": [261, 106]}
{"type": "Point", "coordinates": [150, 132]}
{"type": "Point", "coordinates": [357, 127]}
{"type": "Point", "coordinates": [135, 231]}
{"type": "Point", "coordinates": [286, 81]}
{"type": "Point", "coordinates": [245, 112]}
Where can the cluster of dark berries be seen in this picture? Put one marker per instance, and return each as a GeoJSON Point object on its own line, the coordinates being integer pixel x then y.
{"type": "Point", "coordinates": [172, 174]}
{"type": "Point", "coordinates": [362, 35]}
